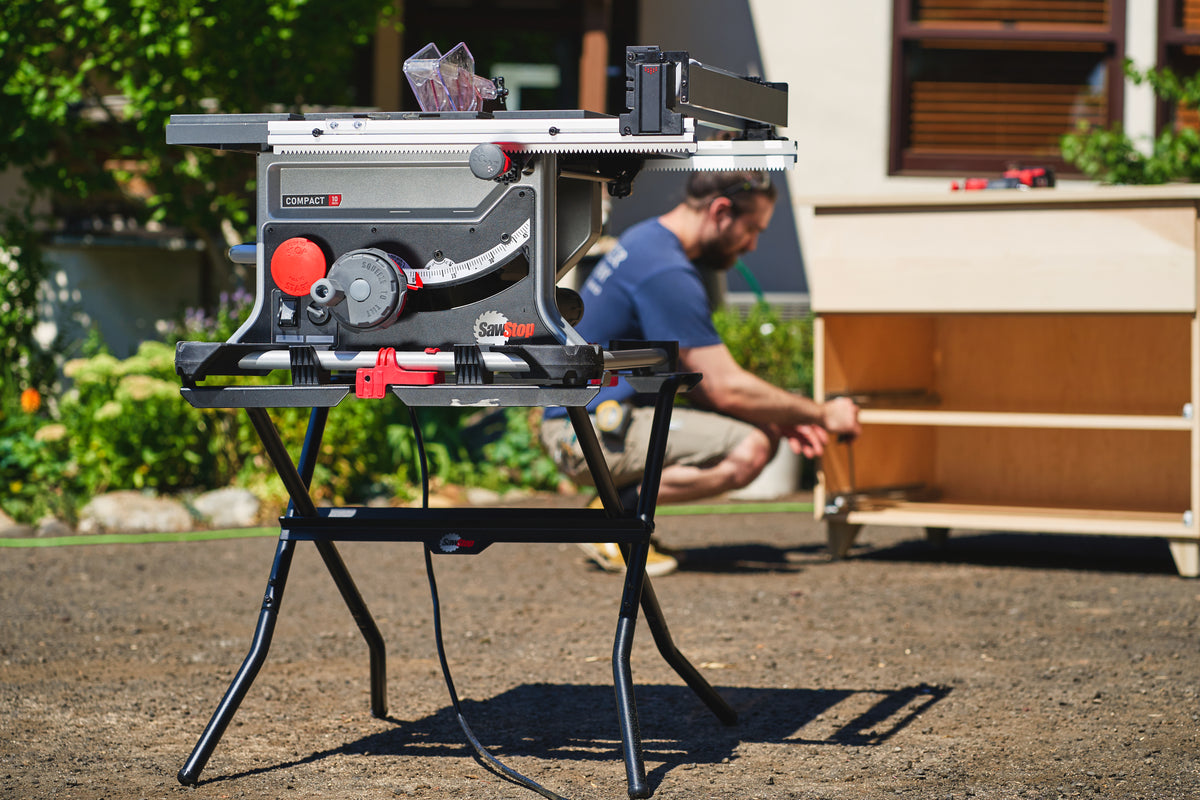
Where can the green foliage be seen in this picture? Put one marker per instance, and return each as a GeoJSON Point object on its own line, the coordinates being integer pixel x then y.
{"type": "Point", "coordinates": [123, 425]}
{"type": "Point", "coordinates": [35, 474]}
{"type": "Point", "coordinates": [60, 58]}
{"type": "Point", "coordinates": [128, 428]}
{"type": "Point", "coordinates": [516, 458]}
{"type": "Point", "coordinates": [1111, 155]}
{"type": "Point", "coordinates": [86, 89]}
{"type": "Point", "coordinates": [775, 349]}
{"type": "Point", "coordinates": [24, 364]}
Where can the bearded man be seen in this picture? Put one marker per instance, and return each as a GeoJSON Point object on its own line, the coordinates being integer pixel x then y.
{"type": "Point", "coordinates": [649, 287]}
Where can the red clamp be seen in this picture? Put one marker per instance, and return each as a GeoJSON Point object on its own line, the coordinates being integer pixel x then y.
{"type": "Point", "coordinates": [370, 383]}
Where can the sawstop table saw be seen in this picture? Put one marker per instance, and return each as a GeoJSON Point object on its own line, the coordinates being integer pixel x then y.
{"type": "Point", "coordinates": [417, 255]}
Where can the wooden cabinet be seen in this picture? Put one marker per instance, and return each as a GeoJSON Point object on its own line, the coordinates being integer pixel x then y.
{"type": "Point", "coordinates": [1025, 361]}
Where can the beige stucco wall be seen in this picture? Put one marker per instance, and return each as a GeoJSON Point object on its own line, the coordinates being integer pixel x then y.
{"type": "Point", "coordinates": [836, 59]}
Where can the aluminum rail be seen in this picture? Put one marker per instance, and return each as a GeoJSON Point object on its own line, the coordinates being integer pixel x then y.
{"type": "Point", "coordinates": [541, 135]}
{"type": "Point", "coordinates": [441, 362]}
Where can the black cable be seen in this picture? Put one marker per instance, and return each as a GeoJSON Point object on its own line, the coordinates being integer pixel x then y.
{"type": "Point", "coordinates": [480, 751]}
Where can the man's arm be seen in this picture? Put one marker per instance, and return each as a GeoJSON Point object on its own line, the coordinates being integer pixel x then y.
{"type": "Point", "coordinates": [731, 390]}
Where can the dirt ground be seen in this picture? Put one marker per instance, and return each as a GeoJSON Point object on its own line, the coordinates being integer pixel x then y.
{"type": "Point", "coordinates": [1004, 666]}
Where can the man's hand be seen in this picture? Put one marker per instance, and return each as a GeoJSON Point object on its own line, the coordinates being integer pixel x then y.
{"type": "Point", "coordinates": [841, 418]}
{"type": "Point", "coordinates": [807, 440]}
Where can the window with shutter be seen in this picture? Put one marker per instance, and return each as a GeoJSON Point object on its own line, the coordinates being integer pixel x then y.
{"type": "Point", "coordinates": [1179, 50]}
{"type": "Point", "coordinates": [982, 85]}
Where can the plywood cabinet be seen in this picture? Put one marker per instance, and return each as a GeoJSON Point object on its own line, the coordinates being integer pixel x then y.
{"type": "Point", "coordinates": [1024, 362]}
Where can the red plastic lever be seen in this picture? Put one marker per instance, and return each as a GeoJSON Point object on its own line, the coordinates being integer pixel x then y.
{"type": "Point", "coordinates": [370, 383]}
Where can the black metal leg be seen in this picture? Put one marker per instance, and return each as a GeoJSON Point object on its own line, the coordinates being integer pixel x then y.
{"type": "Point", "coordinates": [656, 450]}
{"type": "Point", "coordinates": [655, 459]}
{"type": "Point", "coordinates": [631, 734]}
{"type": "Point", "coordinates": [190, 773]}
{"type": "Point", "coordinates": [297, 487]}
{"type": "Point", "coordinates": [635, 555]}
{"type": "Point", "coordinates": [366, 624]}
{"type": "Point", "coordinates": [670, 653]}
{"type": "Point", "coordinates": [593, 454]}
{"type": "Point", "coordinates": [297, 479]}
{"type": "Point", "coordinates": [637, 587]}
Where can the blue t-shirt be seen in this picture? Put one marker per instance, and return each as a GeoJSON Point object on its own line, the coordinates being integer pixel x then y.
{"type": "Point", "coordinates": [644, 288]}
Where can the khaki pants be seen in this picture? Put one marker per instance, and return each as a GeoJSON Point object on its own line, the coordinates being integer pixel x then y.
{"type": "Point", "coordinates": [697, 438]}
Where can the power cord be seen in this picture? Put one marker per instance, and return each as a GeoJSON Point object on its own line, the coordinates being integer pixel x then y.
{"type": "Point", "coordinates": [481, 752]}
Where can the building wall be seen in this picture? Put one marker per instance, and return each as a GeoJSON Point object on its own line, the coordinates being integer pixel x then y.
{"type": "Point", "coordinates": [836, 59]}
{"type": "Point", "coordinates": [121, 291]}
{"type": "Point", "coordinates": [734, 44]}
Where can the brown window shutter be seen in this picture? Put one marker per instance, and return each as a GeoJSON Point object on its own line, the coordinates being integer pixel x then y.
{"type": "Point", "coordinates": [999, 118]}
{"type": "Point", "coordinates": [1015, 12]}
{"type": "Point", "coordinates": [1189, 15]}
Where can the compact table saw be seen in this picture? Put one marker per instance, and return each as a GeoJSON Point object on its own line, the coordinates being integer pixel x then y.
{"type": "Point", "coordinates": [418, 255]}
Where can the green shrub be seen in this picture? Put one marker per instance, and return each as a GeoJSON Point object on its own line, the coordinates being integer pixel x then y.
{"type": "Point", "coordinates": [128, 427]}
{"type": "Point", "coordinates": [123, 425]}
{"type": "Point", "coordinates": [23, 362]}
{"type": "Point", "coordinates": [1110, 155]}
{"type": "Point", "coordinates": [777, 350]}
{"type": "Point", "coordinates": [36, 477]}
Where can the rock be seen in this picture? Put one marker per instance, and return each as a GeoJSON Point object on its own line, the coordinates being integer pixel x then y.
{"type": "Point", "coordinates": [478, 496]}
{"type": "Point", "coordinates": [11, 529]}
{"type": "Point", "coordinates": [133, 512]}
{"type": "Point", "coordinates": [50, 526]}
{"type": "Point", "coordinates": [228, 508]}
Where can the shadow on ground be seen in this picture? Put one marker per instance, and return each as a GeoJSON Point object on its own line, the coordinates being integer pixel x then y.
{"type": "Point", "coordinates": [1033, 551]}
{"type": "Point", "coordinates": [579, 723]}
{"type": "Point", "coordinates": [1011, 550]}
{"type": "Point", "coordinates": [751, 557]}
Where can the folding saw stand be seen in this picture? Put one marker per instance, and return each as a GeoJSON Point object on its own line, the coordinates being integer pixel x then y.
{"type": "Point", "coordinates": [417, 255]}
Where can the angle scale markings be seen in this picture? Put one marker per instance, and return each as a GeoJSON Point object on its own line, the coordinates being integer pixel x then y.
{"type": "Point", "coordinates": [448, 271]}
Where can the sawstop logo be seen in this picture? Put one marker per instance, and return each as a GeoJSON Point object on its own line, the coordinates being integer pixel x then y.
{"type": "Point", "coordinates": [492, 327]}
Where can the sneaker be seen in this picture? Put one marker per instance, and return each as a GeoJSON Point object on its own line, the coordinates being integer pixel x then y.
{"type": "Point", "coordinates": [628, 495]}
{"type": "Point", "coordinates": [608, 556]}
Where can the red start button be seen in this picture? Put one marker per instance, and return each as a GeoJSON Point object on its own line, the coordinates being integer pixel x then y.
{"type": "Point", "coordinates": [296, 264]}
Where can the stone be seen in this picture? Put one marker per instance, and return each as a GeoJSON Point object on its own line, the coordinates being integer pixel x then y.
{"type": "Point", "coordinates": [11, 529]}
{"type": "Point", "coordinates": [228, 508]}
{"type": "Point", "coordinates": [49, 526]}
{"type": "Point", "coordinates": [478, 496]}
{"type": "Point", "coordinates": [134, 512]}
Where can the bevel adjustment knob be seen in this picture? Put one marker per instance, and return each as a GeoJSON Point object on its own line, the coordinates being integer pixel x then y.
{"type": "Point", "coordinates": [489, 163]}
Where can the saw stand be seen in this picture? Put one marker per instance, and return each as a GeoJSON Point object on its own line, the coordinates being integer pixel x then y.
{"type": "Point", "coordinates": [469, 530]}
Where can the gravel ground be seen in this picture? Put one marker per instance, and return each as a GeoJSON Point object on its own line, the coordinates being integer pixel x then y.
{"type": "Point", "coordinates": [1003, 666]}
